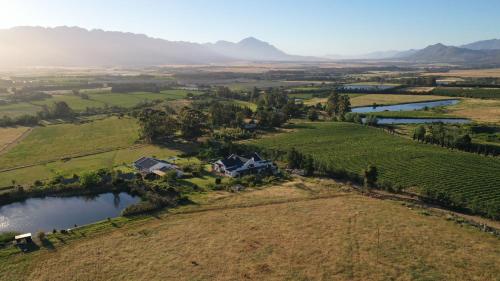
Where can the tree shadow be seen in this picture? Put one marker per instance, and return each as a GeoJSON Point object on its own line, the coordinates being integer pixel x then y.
{"type": "Point", "coordinates": [46, 243]}
{"type": "Point", "coordinates": [29, 247]}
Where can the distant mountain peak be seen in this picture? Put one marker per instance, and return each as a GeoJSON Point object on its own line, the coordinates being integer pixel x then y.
{"type": "Point", "coordinates": [250, 39]}
{"type": "Point", "coordinates": [75, 46]}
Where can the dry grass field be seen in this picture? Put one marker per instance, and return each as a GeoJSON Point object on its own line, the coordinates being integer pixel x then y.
{"type": "Point", "coordinates": [382, 99]}
{"type": "Point", "coordinates": [472, 73]}
{"type": "Point", "coordinates": [480, 110]}
{"type": "Point", "coordinates": [297, 231]}
{"type": "Point", "coordinates": [10, 135]}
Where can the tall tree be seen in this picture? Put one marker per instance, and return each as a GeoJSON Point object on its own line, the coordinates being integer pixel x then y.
{"type": "Point", "coordinates": [332, 104]}
{"type": "Point", "coordinates": [370, 176]}
{"type": "Point", "coordinates": [419, 133]}
{"type": "Point", "coordinates": [344, 105]}
{"type": "Point", "coordinates": [156, 124]}
{"type": "Point", "coordinates": [191, 123]}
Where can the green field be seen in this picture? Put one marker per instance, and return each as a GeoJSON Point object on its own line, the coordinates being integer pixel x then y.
{"type": "Point", "coordinates": [18, 109]}
{"type": "Point", "coordinates": [96, 99]}
{"type": "Point", "coordinates": [59, 141]}
{"type": "Point", "coordinates": [75, 102]}
{"type": "Point", "coordinates": [132, 99]}
{"type": "Point", "coordinates": [463, 176]}
{"type": "Point", "coordinates": [119, 159]}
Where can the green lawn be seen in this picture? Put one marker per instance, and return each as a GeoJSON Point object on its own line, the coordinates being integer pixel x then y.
{"type": "Point", "coordinates": [17, 109]}
{"type": "Point", "coordinates": [132, 99]}
{"type": "Point", "coordinates": [58, 141]}
{"type": "Point", "coordinates": [75, 102]}
{"type": "Point", "coordinates": [119, 159]}
{"type": "Point", "coordinates": [460, 175]}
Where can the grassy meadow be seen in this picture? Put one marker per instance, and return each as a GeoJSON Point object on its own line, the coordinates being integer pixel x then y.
{"type": "Point", "coordinates": [97, 98]}
{"type": "Point", "coordinates": [399, 161]}
{"type": "Point", "coordinates": [65, 140]}
{"type": "Point", "coordinates": [18, 109]}
{"type": "Point", "coordinates": [118, 159]}
{"type": "Point", "coordinates": [480, 110]}
{"type": "Point", "coordinates": [295, 231]}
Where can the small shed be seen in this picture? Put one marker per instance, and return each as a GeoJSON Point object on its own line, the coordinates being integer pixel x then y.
{"type": "Point", "coordinates": [23, 238]}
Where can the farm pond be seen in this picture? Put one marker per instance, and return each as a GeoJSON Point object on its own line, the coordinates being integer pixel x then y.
{"type": "Point", "coordinates": [48, 213]}
{"type": "Point", "coordinates": [405, 106]}
{"type": "Point", "coordinates": [421, 120]}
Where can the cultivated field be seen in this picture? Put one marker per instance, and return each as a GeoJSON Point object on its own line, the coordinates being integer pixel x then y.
{"type": "Point", "coordinates": [382, 99]}
{"type": "Point", "coordinates": [76, 103]}
{"type": "Point", "coordinates": [464, 176]}
{"type": "Point", "coordinates": [96, 99]}
{"type": "Point", "coordinates": [472, 73]}
{"type": "Point", "coordinates": [286, 232]}
{"type": "Point", "coordinates": [66, 140]}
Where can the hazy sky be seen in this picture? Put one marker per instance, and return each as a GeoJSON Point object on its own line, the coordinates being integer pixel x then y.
{"type": "Point", "coordinates": [308, 27]}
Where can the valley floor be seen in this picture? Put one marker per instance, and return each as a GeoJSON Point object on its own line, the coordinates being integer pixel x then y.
{"type": "Point", "coordinates": [307, 229]}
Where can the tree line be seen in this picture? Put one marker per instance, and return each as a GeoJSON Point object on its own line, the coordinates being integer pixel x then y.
{"type": "Point", "coordinates": [451, 137]}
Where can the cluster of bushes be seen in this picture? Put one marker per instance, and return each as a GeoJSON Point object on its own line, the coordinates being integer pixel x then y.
{"type": "Point", "coordinates": [7, 237]}
{"type": "Point", "coordinates": [296, 160]}
{"type": "Point", "coordinates": [252, 180]}
{"type": "Point", "coordinates": [27, 96]}
{"type": "Point", "coordinates": [155, 195]}
{"type": "Point", "coordinates": [22, 120]}
{"type": "Point", "coordinates": [231, 134]}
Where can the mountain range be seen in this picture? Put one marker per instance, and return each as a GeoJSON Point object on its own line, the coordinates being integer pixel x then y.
{"type": "Point", "coordinates": [439, 53]}
{"type": "Point", "coordinates": [480, 52]}
{"type": "Point", "coordinates": [74, 46]}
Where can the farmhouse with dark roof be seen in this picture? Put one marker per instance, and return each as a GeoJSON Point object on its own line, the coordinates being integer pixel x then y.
{"type": "Point", "coordinates": [235, 165]}
{"type": "Point", "coordinates": [148, 165]}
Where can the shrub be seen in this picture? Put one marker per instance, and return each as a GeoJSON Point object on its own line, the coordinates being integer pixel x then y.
{"type": "Point", "coordinates": [89, 179]}
{"type": "Point", "coordinates": [6, 237]}
{"type": "Point", "coordinates": [170, 176]}
{"type": "Point", "coordinates": [140, 208]}
{"type": "Point", "coordinates": [40, 235]}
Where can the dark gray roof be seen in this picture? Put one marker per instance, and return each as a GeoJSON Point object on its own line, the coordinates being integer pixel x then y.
{"type": "Point", "coordinates": [145, 163]}
{"type": "Point", "coordinates": [233, 161]}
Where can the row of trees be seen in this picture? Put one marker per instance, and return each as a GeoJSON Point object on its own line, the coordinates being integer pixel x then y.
{"type": "Point", "coordinates": [452, 137]}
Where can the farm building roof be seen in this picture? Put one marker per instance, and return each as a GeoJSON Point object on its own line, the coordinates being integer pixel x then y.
{"type": "Point", "coordinates": [146, 163]}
